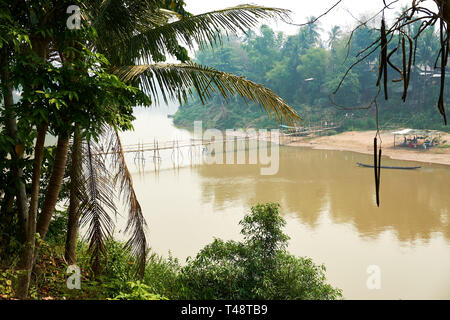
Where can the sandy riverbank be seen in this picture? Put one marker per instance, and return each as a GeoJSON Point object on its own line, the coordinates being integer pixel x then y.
{"type": "Point", "coordinates": [362, 142]}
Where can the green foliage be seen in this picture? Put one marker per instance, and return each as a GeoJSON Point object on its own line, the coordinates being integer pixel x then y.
{"type": "Point", "coordinates": [257, 268]}
{"type": "Point", "coordinates": [359, 124]}
{"type": "Point", "coordinates": [296, 279]}
{"type": "Point", "coordinates": [162, 275]}
{"type": "Point", "coordinates": [7, 277]}
{"type": "Point", "coordinates": [138, 291]}
{"type": "Point", "coordinates": [262, 231]}
{"type": "Point", "coordinates": [57, 230]}
{"type": "Point", "coordinates": [10, 245]}
{"type": "Point", "coordinates": [119, 279]}
{"type": "Point", "coordinates": [96, 98]}
{"type": "Point", "coordinates": [306, 74]}
{"type": "Point", "coordinates": [119, 268]}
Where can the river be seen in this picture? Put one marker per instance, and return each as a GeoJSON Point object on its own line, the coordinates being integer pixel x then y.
{"type": "Point", "coordinates": [327, 201]}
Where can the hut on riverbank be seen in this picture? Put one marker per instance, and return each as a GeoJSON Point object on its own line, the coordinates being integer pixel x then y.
{"type": "Point", "coordinates": [412, 138]}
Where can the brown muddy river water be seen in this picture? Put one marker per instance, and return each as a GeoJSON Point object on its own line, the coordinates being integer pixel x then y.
{"type": "Point", "coordinates": [328, 203]}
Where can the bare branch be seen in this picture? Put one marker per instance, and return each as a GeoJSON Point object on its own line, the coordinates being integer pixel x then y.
{"type": "Point", "coordinates": [315, 19]}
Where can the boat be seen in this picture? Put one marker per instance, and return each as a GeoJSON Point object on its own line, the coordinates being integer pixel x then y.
{"type": "Point", "coordinates": [387, 167]}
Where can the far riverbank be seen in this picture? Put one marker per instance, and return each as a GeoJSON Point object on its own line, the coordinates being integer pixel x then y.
{"type": "Point", "coordinates": [362, 142]}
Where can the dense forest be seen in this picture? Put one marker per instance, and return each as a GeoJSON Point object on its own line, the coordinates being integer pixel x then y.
{"type": "Point", "coordinates": [305, 70]}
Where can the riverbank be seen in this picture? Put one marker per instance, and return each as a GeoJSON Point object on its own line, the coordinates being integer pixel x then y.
{"type": "Point", "coordinates": [362, 142]}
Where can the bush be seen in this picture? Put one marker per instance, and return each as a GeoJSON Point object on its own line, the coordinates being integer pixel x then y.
{"type": "Point", "coordinates": [257, 268]}
{"type": "Point", "coordinates": [120, 279]}
{"type": "Point", "coordinates": [119, 268]}
{"type": "Point", "coordinates": [57, 230]}
{"type": "Point", "coordinates": [6, 283]}
{"type": "Point", "coordinates": [161, 275]}
{"type": "Point", "coordinates": [137, 291]}
{"type": "Point", "coordinates": [331, 132]}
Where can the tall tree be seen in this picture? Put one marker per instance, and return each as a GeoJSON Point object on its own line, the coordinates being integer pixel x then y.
{"type": "Point", "coordinates": [333, 36]}
{"type": "Point", "coordinates": [70, 84]}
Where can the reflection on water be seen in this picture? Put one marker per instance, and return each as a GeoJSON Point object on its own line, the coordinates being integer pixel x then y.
{"type": "Point", "coordinates": [414, 204]}
{"type": "Point", "coordinates": [331, 215]}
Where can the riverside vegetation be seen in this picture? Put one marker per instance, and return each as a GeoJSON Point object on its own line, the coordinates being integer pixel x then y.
{"type": "Point", "coordinates": [259, 267]}
{"type": "Point", "coordinates": [305, 70]}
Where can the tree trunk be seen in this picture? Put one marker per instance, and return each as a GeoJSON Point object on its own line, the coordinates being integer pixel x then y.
{"type": "Point", "coordinates": [54, 186]}
{"type": "Point", "coordinates": [53, 189]}
{"type": "Point", "coordinates": [26, 264]}
{"type": "Point", "coordinates": [17, 149]}
{"type": "Point", "coordinates": [74, 204]}
{"type": "Point", "coordinates": [445, 9]}
{"type": "Point", "coordinates": [37, 164]}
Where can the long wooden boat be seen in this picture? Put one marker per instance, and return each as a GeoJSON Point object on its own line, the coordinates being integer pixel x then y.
{"type": "Point", "coordinates": [387, 167]}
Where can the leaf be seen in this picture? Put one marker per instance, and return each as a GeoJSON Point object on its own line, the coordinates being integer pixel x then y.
{"type": "Point", "coordinates": [177, 80]}
{"type": "Point", "coordinates": [136, 224]}
{"type": "Point", "coordinates": [97, 201]}
{"type": "Point", "coordinates": [158, 37]}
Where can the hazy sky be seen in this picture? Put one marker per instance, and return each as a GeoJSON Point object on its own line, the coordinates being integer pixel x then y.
{"type": "Point", "coordinates": [302, 9]}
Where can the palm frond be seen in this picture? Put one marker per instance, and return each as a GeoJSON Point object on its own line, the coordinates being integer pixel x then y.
{"type": "Point", "coordinates": [122, 19]}
{"type": "Point", "coordinates": [204, 29]}
{"type": "Point", "coordinates": [97, 202]}
{"type": "Point", "coordinates": [121, 16]}
{"type": "Point", "coordinates": [136, 224]}
{"type": "Point", "coordinates": [96, 191]}
{"type": "Point", "coordinates": [176, 81]}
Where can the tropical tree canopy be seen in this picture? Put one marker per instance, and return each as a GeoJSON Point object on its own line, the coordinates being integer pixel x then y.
{"type": "Point", "coordinates": [402, 36]}
{"type": "Point", "coordinates": [80, 67]}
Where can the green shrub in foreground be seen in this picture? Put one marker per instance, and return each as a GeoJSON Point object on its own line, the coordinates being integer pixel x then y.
{"type": "Point", "coordinates": [138, 291]}
{"type": "Point", "coordinates": [257, 268]}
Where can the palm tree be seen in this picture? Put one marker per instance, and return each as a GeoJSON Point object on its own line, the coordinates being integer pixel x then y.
{"type": "Point", "coordinates": [333, 36]}
{"type": "Point", "coordinates": [312, 30]}
{"type": "Point", "coordinates": [145, 33]}
{"type": "Point", "coordinates": [135, 36]}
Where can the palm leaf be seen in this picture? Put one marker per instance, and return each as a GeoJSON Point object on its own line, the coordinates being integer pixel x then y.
{"type": "Point", "coordinates": [97, 202]}
{"type": "Point", "coordinates": [175, 81]}
{"type": "Point", "coordinates": [121, 16]}
{"type": "Point", "coordinates": [155, 40]}
{"type": "Point", "coordinates": [122, 19]}
{"type": "Point", "coordinates": [136, 224]}
{"type": "Point", "coordinates": [96, 190]}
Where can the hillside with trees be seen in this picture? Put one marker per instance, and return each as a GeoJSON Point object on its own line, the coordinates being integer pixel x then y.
{"type": "Point", "coordinates": [305, 70]}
